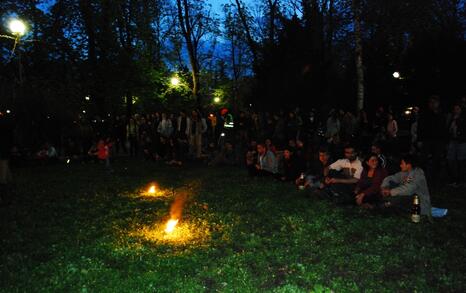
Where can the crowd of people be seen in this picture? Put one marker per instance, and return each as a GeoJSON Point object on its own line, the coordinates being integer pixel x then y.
{"type": "Point", "coordinates": [350, 157]}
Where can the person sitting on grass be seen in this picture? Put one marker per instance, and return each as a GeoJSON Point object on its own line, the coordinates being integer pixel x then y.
{"type": "Point", "coordinates": [251, 156]}
{"type": "Point", "coordinates": [266, 163]}
{"type": "Point", "coordinates": [367, 192]}
{"type": "Point", "coordinates": [343, 176]}
{"type": "Point", "coordinates": [398, 189]}
{"type": "Point", "coordinates": [315, 176]}
{"type": "Point", "coordinates": [102, 152]}
{"type": "Point", "coordinates": [291, 166]}
{"type": "Point", "coordinates": [225, 157]}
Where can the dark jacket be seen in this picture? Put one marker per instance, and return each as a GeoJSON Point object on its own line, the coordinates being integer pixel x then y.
{"type": "Point", "coordinates": [371, 186]}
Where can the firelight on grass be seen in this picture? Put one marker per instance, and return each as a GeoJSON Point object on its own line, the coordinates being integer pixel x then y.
{"type": "Point", "coordinates": [171, 224]}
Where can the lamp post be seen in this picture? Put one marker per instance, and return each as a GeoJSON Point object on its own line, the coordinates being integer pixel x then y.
{"type": "Point", "coordinates": [18, 29]}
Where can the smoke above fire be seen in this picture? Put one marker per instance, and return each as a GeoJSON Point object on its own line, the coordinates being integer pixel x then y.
{"type": "Point", "coordinates": [176, 209]}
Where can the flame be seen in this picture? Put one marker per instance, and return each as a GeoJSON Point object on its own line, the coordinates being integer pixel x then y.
{"type": "Point", "coordinates": [151, 189]}
{"type": "Point", "coordinates": [171, 225]}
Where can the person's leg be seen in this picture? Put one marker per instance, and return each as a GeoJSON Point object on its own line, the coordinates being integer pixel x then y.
{"type": "Point", "coordinates": [3, 171]}
{"type": "Point", "coordinates": [461, 155]}
{"type": "Point", "coordinates": [198, 146]}
{"type": "Point", "coordinates": [452, 163]}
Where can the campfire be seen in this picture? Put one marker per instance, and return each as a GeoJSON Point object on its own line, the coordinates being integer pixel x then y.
{"type": "Point", "coordinates": [151, 189]}
{"type": "Point", "coordinates": [171, 224]}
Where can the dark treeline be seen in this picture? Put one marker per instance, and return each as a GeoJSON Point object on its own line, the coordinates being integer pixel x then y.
{"type": "Point", "coordinates": [274, 53]}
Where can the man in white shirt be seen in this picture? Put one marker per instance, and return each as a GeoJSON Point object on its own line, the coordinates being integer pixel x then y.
{"type": "Point", "coordinates": [343, 175]}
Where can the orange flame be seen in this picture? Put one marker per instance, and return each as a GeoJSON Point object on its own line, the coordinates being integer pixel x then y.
{"type": "Point", "coordinates": [171, 225]}
{"type": "Point", "coordinates": [151, 189]}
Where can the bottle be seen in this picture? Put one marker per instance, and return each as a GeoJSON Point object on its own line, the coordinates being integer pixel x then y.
{"type": "Point", "coordinates": [416, 210]}
{"type": "Point", "coordinates": [301, 182]}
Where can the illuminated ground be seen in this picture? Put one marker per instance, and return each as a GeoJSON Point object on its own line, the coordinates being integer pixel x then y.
{"type": "Point", "coordinates": [76, 228]}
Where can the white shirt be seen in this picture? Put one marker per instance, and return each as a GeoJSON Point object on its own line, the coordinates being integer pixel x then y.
{"type": "Point", "coordinates": [351, 169]}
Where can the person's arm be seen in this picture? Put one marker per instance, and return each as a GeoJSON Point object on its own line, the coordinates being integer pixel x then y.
{"type": "Point", "coordinates": [359, 184]}
{"type": "Point", "coordinates": [394, 179]}
{"type": "Point", "coordinates": [337, 165]}
{"type": "Point", "coordinates": [204, 125]}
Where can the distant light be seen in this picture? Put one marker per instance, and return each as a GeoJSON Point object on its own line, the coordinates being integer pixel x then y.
{"type": "Point", "coordinates": [17, 27]}
{"type": "Point", "coordinates": [217, 100]}
{"type": "Point", "coordinates": [87, 98]}
{"type": "Point", "coordinates": [408, 112]}
{"type": "Point", "coordinates": [48, 117]}
{"type": "Point", "coordinates": [68, 161]}
{"type": "Point", "coordinates": [109, 115]}
{"type": "Point", "coordinates": [175, 81]}
{"type": "Point", "coordinates": [8, 111]}
{"type": "Point", "coordinates": [396, 74]}
{"type": "Point", "coordinates": [222, 134]}
{"type": "Point", "coordinates": [84, 111]}
{"type": "Point", "coordinates": [250, 105]}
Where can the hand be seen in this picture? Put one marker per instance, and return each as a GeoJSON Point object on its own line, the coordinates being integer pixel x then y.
{"type": "Point", "coordinates": [386, 192]}
{"type": "Point", "coordinates": [329, 180]}
{"type": "Point", "coordinates": [258, 167]}
{"type": "Point", "coordinates": [359, 198]}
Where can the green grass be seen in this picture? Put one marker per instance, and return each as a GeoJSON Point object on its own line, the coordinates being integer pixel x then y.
{"type": "Point", "coordinates": [76, 228]}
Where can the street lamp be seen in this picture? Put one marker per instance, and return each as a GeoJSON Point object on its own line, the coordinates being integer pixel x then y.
{"type": "Point", "coordinates": [175, 81]}
{"type": "Point", "coordinates": [217, 100]}
{"type": "Point", "coordinates": [17, 28]}
{"type": "Point", "coordinates": [396, 75]}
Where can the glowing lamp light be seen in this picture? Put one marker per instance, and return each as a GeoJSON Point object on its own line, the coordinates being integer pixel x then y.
{"type": "Point", "coordinates": [87, 98]}
{"type": "Point", "coordinates": [217, 100]}
{"type": "Point", "coordinates": [175, 81]}
{"type": "Point", "coordinates": [17, 27]}
{"type": "Point", "coordinates": [407, 112]}
{"type": "Point", "coordinates": [222, 134]}
{"type": "Point", "coordinates": [68, 161]}
{"type": "Point", "coordinates": [84, 111]}
{"type": "Point", "coordinates": [396, 74]}
{"type": "Point", "coordinates": [171, 225]}
{"type": "Point", "coordinates": [8, 111]}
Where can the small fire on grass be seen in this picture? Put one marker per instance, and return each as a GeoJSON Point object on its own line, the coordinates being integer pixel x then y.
{"type": "Point", "coordinates": [151, 190]}
{"type": "Point", "coordinates": [171, 224]}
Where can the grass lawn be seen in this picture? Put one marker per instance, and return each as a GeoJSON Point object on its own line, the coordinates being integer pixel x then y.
{"type": "Point", "coordinates": [75, 228]}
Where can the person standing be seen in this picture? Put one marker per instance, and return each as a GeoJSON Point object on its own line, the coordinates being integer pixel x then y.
{"type": "Point", "coordinates": [456, 152]}
{"type": "Point", "coordinates": [6, 135]}
{"type": "Point", "coordinates": [197, 126]}
{"type": "Point", "coordinates": [431, 137]}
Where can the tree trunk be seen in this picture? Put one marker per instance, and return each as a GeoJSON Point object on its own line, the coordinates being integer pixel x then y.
{"type": "Point", "coordinates": [251, 43]}
{"type": "Point", "coordinates": [186, 29]}
{"type": "Point", "coordinates": [358, 53]}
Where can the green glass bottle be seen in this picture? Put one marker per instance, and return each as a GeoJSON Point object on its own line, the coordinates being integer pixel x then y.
{"type": "Point", "coordinates": [416, 210]}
